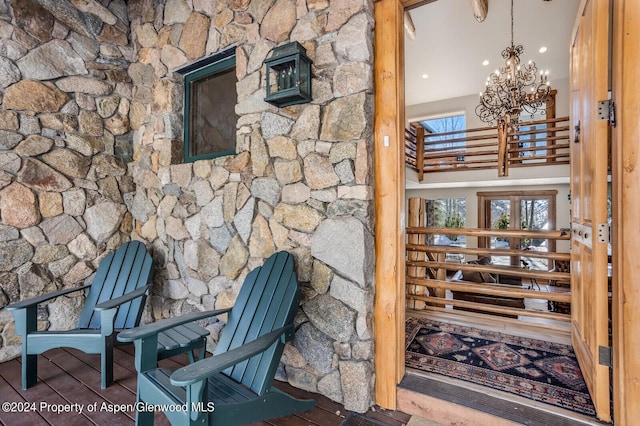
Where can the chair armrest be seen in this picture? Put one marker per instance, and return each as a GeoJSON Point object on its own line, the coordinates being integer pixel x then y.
{"type": "Point", "coordinates": [158, 326]}
{"type": "Point", "coordinates": [114, 303]}
{"type": "Point", "coordinates": [39, 299]}
{"type": "Point", "coordinates": [202, 369]}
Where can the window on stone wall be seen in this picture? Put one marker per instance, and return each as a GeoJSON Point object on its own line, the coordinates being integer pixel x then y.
{"type": "Point", "coordinates": [210, 99]}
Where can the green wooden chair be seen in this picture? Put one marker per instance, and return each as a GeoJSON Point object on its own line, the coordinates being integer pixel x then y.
{"type": "Point", "coordinates": [114, 302]}
{"type": "Point", "coordinates": [235, 386]}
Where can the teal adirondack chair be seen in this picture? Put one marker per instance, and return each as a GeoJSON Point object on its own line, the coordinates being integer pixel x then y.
{"type": "Point", "coordinates": [235, 386]}
{"type": "Point", "coordinates": [114, 301]}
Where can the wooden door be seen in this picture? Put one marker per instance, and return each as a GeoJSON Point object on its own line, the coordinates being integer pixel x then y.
{"type": "Point", "coordinates": [589, 160]}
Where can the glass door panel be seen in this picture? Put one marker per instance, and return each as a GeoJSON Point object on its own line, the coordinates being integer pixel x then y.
{"type": "Point", "coordinates": [499, 218]}
{"type": "Point", "coordinates": [534, 215]}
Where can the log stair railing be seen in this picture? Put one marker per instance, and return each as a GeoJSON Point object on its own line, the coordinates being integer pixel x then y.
{"type": "Point", "coordinates": [429, 275]}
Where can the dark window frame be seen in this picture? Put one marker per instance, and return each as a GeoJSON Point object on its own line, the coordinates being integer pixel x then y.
{"type": "Point", "coordinates": [197, 71]}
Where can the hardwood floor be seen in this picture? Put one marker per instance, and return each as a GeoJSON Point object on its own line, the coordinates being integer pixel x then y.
{"type": "Point", "coordinates": [70, 379]}
{"type": "Point", "coordinates": [454, 402]}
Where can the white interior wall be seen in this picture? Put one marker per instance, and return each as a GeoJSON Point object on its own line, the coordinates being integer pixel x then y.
{"type": "Point", "coordinates": [517, 176]}
{"type": "Point", "coordinates": [468, 104]}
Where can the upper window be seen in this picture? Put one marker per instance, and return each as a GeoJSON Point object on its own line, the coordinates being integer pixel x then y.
{"type": "Point", "coordinates": [210, 99]}
{"type": "Point", "coordinates": [444, 131]}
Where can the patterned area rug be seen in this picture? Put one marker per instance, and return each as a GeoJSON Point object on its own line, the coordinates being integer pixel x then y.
{"type": "Point", "coordinates": [535, 369]}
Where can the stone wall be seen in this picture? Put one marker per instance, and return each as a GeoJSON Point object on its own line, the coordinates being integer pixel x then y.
{"type": "Point", "coordinates": [91, 155]}
{"type": "Point", "coordinates": [64, 146]}
{"type": "Point", "coordinates": [301, 180]}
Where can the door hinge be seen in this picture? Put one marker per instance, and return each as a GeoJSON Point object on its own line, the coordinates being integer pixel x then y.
{"type": "Point", "coordinates": [603, 109]}
{"type": "Point", "coordinates": [604, 233]}
{"type": "Point", "coordinates": [605, 356]}
{"type": "Point", "coordinates": [607, 111]}
{"type": "Point", "coordinates": [612, 114]}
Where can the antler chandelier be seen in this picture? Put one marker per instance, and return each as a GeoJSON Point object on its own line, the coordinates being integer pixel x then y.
{"type": "Point", "coordinates": [514, 88]}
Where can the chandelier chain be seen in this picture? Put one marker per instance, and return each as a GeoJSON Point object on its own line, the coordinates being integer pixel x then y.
{"type": "Point", "coordinates": [514, 88]}
{"type": "Point", "coordinates": [511, 22]}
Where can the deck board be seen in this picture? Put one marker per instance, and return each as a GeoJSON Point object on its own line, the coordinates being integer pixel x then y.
{"type": "Point", "coordinates": [9, 394]}
{"type": "Point", "coordinates": [67, 376]}
{"type": "Point", "coordinates": [38, 394]}
{"type": "Point", "coordinates": [75, 389]}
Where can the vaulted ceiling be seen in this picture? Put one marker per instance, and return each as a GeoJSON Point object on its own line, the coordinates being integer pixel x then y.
{"type": "Point", "coordinates": [450, 45]}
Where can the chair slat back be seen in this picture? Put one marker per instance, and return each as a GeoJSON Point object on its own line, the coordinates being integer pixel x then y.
{"type": "Point", "coordinates": [268, 300]}
{"type": "Point", "coordinates": [121, 272]}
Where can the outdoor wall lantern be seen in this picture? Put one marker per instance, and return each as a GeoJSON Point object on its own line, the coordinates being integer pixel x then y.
{"type": "Point", "coordinates": [288, 75]}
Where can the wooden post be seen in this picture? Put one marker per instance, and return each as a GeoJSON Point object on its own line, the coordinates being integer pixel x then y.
{"type": "Point", "coordinates": [590, 319]}
{"type": "Point", "coordinates": [388, 125]}
{"type": "Point", "coordinates": [441, 275]}
{"type": "Point", "coordinates": [416, 219]}
{"type": "Point", "coordinates": [550, 112]}
{"type": "Point", "coordinates": [626, 213]}
{"type": "Point", "coordinates": [420, 152]}
{"type": "Point", "coordinates": [503, 146]}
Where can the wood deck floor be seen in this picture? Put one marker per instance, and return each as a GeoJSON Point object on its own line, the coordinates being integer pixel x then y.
{"type": "Point", "coordinates": [68, 376]}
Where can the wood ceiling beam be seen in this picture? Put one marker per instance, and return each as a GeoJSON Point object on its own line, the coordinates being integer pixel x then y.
{"type": "Point", "coordinates": [412, 4]}
{"type": "Point", "coordinates": [480, 9]}
{"type": "Point", "coordinates": [409, 27]}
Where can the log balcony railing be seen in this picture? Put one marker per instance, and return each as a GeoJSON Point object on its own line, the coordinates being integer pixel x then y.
{"type": "Point", "coordinates": [429, 275]}
{"type": "Point", "coordinates": [529, 144]}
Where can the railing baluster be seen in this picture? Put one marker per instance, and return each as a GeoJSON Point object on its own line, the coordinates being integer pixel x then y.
{"type": "Point", "coordinates": [420, 152]}
{"type": "Point", "coordinates": [480, 148]}
{"type": "Point", "coordinates": [434, 259]}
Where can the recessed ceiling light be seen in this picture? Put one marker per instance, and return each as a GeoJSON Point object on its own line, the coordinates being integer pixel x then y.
{"type": "Point", "coordinates": [542, 49]}
{"type": "Point", "coordinates": [485, 62]}
{"type": "Point", "coordinates": [425, 76]}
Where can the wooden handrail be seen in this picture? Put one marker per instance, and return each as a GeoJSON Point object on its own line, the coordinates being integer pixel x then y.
{"type": "Point", "coordinates": [449, 148]}
{"type": "Point", "coordinates": [432, 153]}
{"type": "Point", "coordinates": [432, 280]}
{"type": "Point", "coordinates": [562, 234]}
{"type": "Point", "coordinates": [547, 121]}
{"type": "Point", "coordinates": [456, 140]}
{"type": "Point", "coordinates": [533, 164]}
{"type": "Point", "coordinates": [535, 148]}
{"type": "Point", "coordinates": [502, 290]}
{"type": "Point", "coordinates": [495, 252]}
{"type": "Point", "coordinates": [472, 130]}
{"type": "Point", "coordinates": [545, 130]}
{"type": "Point", "coordinates": [491, 308]}
{"type": "Point", "coordinates": [494, 269]}
{"type": "Point", "coordinates": [460, 154]}
{"type": "Point", "coordinates": [540, 157]}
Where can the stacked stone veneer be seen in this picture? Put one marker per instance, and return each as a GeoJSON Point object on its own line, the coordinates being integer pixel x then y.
{"type": "Point", "coordinates": [301, 179]}
{"type": "Point", "coordinates": [64, 146]}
